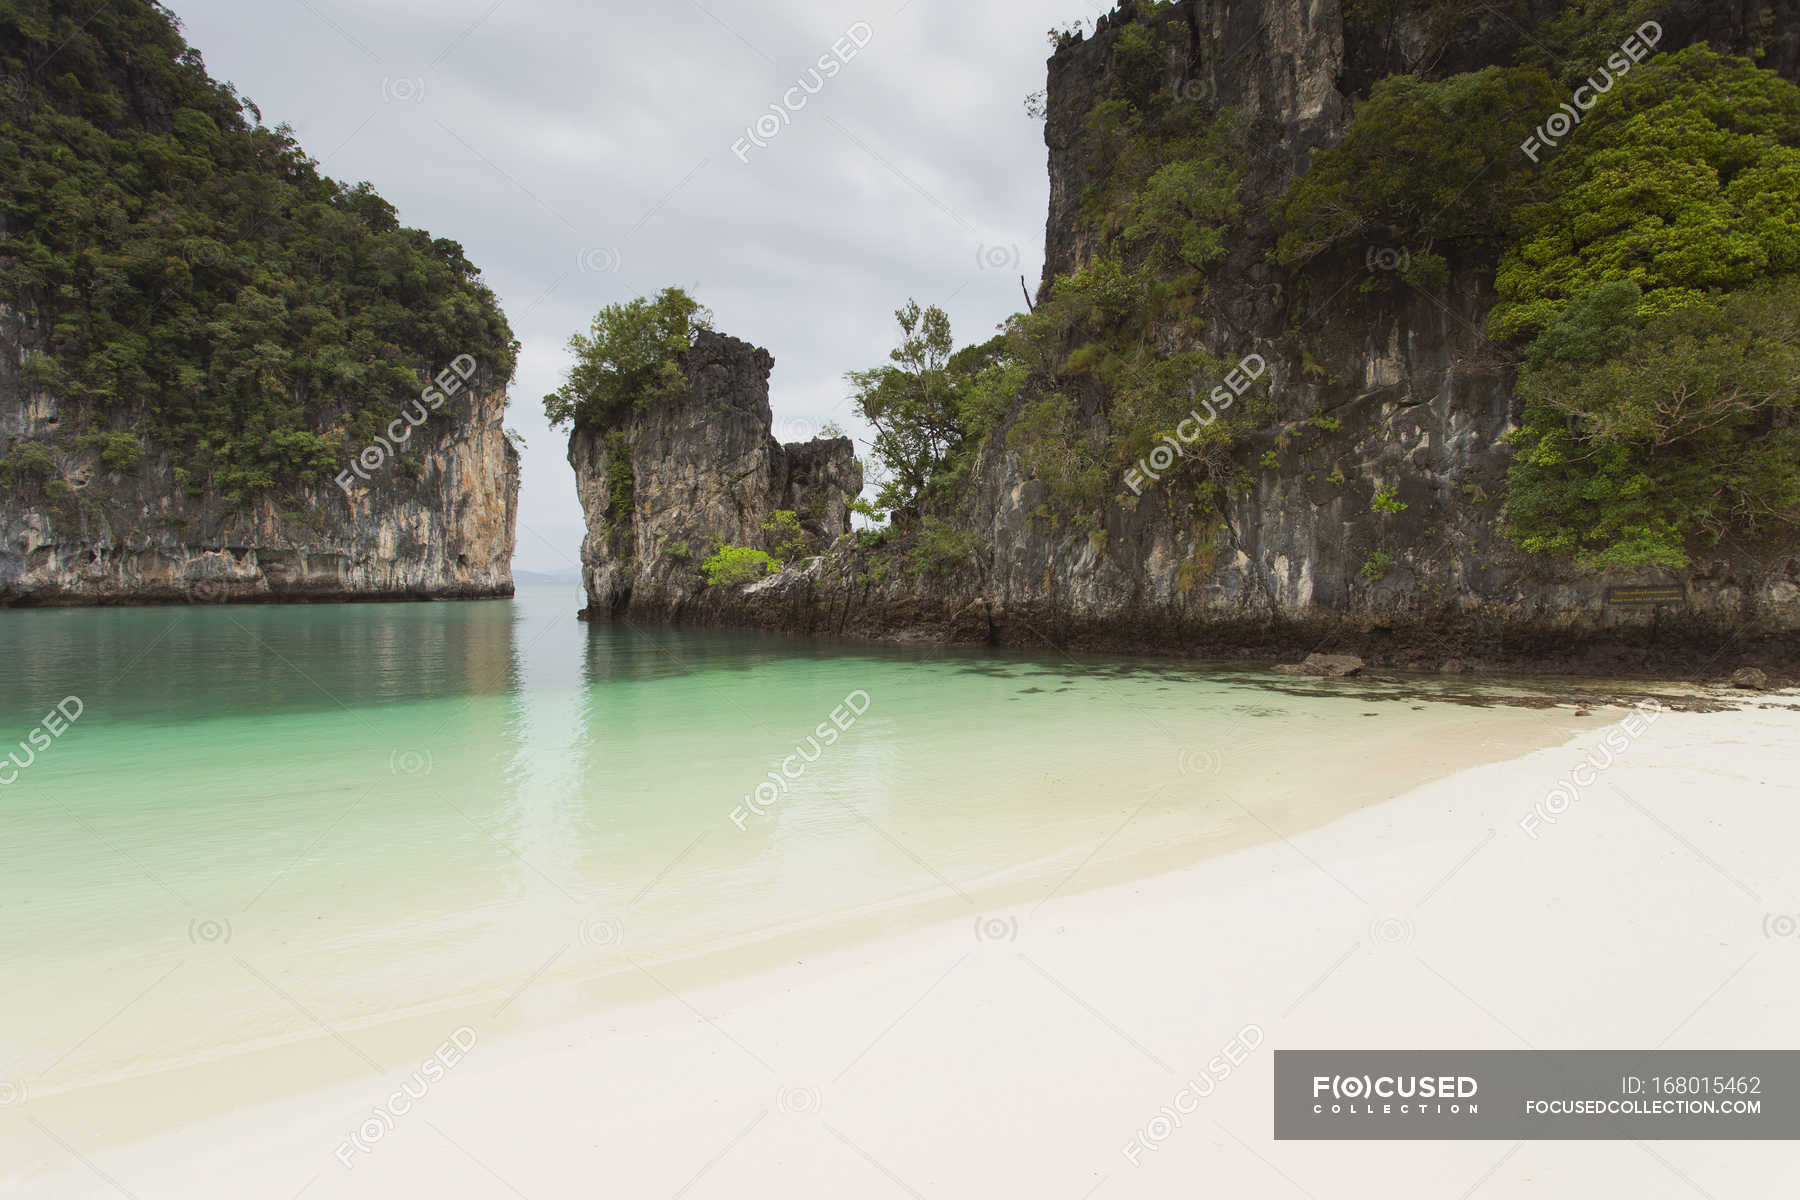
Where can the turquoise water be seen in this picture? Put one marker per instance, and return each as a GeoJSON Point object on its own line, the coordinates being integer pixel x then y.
{"type": "Point", "coordinates": [273, 825]}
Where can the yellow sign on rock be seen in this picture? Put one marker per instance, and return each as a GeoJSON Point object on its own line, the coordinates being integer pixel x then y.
{"type": "Point", "coordinates": [1647, 596]}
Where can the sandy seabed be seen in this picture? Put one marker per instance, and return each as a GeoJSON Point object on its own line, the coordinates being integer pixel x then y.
{"type": "Point", "coordinates": [1022, 1052]}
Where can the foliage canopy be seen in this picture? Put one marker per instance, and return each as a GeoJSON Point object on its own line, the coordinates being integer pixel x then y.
{"type": "Point", "coordinates": [630, 359]}
{"type": "Point", "coordinates": [194, 274]}
{"type": "Point", "coordinates": [1684, 180]}
{"type": "Point", "coordinates": [1424, 163]}
{"type": "Point", "coordinates": [1647, 435]}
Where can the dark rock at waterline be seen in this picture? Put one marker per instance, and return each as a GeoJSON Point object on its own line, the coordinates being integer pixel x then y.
{"type": "Point", "coordinates": [1750, 679]}
{"type": "Point", "coordinates": [1325, 666]}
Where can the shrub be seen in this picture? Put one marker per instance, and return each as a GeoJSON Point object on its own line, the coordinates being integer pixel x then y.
{"type": "Point", "coordinates": [1387, 501]}
{"type": "Point", "coordinates": [121, 452]}
{"type": "Point", "coordinates": [1136, 61]}
{"type": "Point", "coordinates": [1059, 453]}
{"type": "Point", "coordinates": [1575, 43]}
{"type": "Point", "coordinates": [621, 479]}
{"type": "Point", "coordinates": [788, 539]}
{"type": "Point", "coordinates": [1096, 303]}
{"type": "Point", "coordinates": [730, 566]}
{"type": "Point", "coordinates": [941, 548]}
{"type": "Point", "coordinates": [32, 460]}
{"type": "Point", "coordinates": [1179, 216]}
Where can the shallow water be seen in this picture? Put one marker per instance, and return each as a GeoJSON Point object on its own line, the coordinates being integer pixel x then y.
{"type": "Point", "coordinates": [271, 825]}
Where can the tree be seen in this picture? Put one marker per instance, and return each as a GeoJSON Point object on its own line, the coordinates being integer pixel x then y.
{"type": "Point", "coordinates": [914, 406]}
{"type": "Point", "coordinates": [1658, 282]}
{"type": "Point", "coordinates": [629, 360]}
{"type": "Point", "coordinates": [1682, 181]}
{"type": "Point", "coordinates": [1423, 163]}
{"type": "Point", "coordinates": [1646, 436]}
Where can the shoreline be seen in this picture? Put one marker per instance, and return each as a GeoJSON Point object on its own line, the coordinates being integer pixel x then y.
{"type": "Point", "coordinates": [780, 963]}
{"type": "Point", "coordinates": [1695, 650]}
{"type": "Point", "coordinates": [179, 599]}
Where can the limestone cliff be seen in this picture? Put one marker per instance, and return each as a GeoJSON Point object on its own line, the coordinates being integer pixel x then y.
{"type": "Point", "coordinates": [435, 521]}
{"type": "Point", "coordinates": [661, 491]}
{"type": "Point", "coordinates": [1377, 391]}
{"type": "Point", "coordinates": [199, 331]}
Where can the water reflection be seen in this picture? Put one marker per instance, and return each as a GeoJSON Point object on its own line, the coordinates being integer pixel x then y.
{"type": "Point", "coordinates": [156, 664]}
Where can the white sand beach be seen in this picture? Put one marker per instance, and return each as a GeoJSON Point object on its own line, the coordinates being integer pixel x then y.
{"type": "Point", "coordinates": [1017, 1052]}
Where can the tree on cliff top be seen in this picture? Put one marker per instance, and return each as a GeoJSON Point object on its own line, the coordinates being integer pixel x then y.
{"type": "Point", "coordinates": [629, 360]}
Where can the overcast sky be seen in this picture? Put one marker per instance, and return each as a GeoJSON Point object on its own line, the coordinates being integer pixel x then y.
{"type": "Point", "coordinates": [583, 154]}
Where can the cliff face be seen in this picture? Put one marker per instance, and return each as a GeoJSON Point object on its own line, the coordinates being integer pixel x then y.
{"type": "Point", "coordinates": [1414, 401]}
{"type": "Point", "coordinates": [1420, 395]}
{"type": "Point", "coordinates": [198, 332]}
{"type": "Point", "coordinates": [434, 521]}
{"type": "Point", "coordinates": [660, 491]}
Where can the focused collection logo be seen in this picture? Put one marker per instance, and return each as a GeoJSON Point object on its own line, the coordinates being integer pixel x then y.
{"type": "Point", "coordinates": [1395, 1095]}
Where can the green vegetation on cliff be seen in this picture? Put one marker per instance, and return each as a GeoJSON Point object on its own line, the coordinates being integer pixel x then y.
{"type": "Point", "coordinates": [189, 272]}
{"type": "Point", "coordinates": [1102, 382]}
{"type": "Point", "coordinates": [1684, 180]}
{"type": "Point", "coordinates": [1644, 265]}
{"type": "Point", "coordinates": [1425, 165]}
{"type": "Point", "coordinates": [1660, 278]}
{"type": "Point", "coordinates": [630, 359]}
{"type": "Point", "coordinates": [1649, 435]}
{"type": "Point", "coordinates": [1642, 272]}
{"type": "Point", "coordinates": [1113, 347]}
{"type": "Point", "coordinates": [730, 566]}
{"type": "Point", "coordinates": [1646, 268]}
